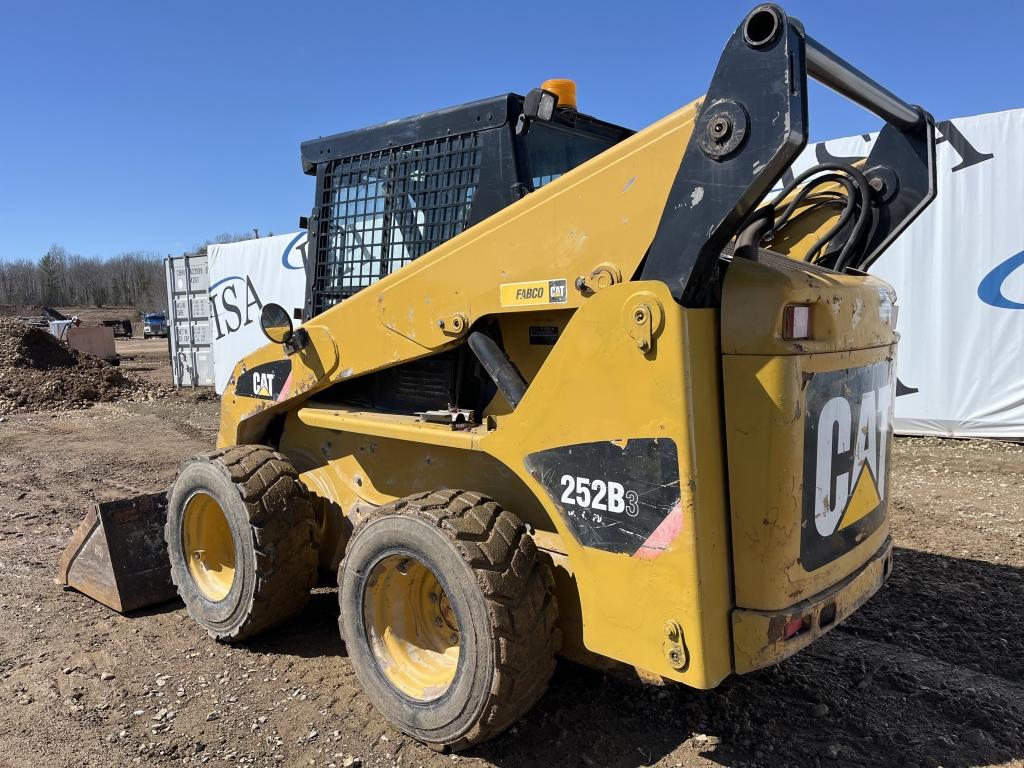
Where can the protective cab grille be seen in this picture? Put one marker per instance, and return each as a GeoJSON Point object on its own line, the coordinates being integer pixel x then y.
{"type": "Point", "coordinates": [381, 210]}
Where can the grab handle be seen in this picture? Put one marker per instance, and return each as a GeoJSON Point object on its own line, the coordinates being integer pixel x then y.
{"type": "Point", "coordinates": [845, 79]}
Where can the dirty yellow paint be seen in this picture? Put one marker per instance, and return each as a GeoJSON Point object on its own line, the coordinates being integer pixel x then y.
{"type": "Point", "coordinates": [758, 641]}
{"type": "Point", "coordinates": [373, 458]}
{"type": "Point", "coordinates": [764, 378]}
{"type": "Point", "coordinates": [741, 473]}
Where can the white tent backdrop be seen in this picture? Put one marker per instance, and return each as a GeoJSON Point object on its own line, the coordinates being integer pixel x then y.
{"type": "Point", "coordinates": [958, 271]}
{"type": "Point", "coordinates": [243, 277]}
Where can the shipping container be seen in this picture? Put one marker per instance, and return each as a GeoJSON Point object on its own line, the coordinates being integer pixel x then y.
{"type": "Point", "coordinates": [188, 318]}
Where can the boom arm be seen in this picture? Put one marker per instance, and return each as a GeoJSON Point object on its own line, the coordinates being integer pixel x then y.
{"type": "Point", "coordinates": [752, 127]}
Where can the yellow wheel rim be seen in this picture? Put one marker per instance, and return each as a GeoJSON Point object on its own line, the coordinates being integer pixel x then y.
{"type": "Point", "coordinates": [209, 547]}
{"type": "Point", "coordinates": [411, 627]}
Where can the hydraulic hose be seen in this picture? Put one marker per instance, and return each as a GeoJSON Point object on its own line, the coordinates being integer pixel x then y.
{"type": "Point", "coordinates": [863, 218]}
{"type": "Point", "coordinates": [762, 220]}
{"type": "Point", "coordinates": [503, 373]}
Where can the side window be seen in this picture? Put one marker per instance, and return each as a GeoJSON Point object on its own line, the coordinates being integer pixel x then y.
{"type": "Point", "coordinates": [357, 215]}
{"type": "Point", "coordinates": [384, 209]}
{"type": "Point", "coordinates": [552, 151]}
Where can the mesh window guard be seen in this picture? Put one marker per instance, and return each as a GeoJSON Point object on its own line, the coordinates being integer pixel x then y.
{"type": "Point", "coordinates": [383, 209]}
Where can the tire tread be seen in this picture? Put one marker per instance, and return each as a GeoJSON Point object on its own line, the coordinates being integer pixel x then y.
{"type": "Point", "coordinates": [520, 594]}
{"type": "Point", "coordinates": [285, 537]}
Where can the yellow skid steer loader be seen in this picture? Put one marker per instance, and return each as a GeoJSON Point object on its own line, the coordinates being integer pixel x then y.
{"type": "Point", "coordinates": [566, 388]}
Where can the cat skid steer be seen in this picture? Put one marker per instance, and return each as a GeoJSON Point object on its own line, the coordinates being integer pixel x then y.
{"type": "Point", "coordinates": [566, 388]}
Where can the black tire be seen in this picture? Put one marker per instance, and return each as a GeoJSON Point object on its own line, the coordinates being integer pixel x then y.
{"type": "Point", "coordinates": [273, 531]}
{"type": "Point", "coordinates": [502, 595]}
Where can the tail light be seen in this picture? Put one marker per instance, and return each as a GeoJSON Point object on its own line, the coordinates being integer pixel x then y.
{"type": "Point", "coordinates": [796, 322]}
{"type": "Point", "coordinates": [795, 627]}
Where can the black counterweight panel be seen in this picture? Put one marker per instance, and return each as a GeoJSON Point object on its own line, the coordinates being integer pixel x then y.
{"type": "Point", "coordinates": [617, 497]}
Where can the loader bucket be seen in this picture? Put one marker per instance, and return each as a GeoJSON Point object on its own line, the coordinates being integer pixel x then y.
{"type": "Point", "coordinates": [117, 555]}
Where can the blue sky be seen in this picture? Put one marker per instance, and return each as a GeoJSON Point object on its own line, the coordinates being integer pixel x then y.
{"type": "Point", "coordinates": [145, 126]}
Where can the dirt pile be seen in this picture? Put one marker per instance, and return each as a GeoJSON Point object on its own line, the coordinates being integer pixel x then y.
{"type": "Point", "coordinates": [38, 372]}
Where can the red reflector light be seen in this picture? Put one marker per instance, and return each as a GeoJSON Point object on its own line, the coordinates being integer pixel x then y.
{"type": "Point", "coordinates": [795, 627]}
{"type": "Point", "coordinates": [796, 322]}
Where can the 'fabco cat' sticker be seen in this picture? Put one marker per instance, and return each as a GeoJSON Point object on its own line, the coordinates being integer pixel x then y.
{"type": "Point", "coordinates": [534, 293]}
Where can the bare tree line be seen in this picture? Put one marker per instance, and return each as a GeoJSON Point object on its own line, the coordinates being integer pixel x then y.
{"type": "Point", "coordinates": [60, 278]}
{"type": "Point", "coordinates": [63, 279]}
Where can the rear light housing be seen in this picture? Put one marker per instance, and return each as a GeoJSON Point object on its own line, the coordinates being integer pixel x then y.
{"type": "Point", "coordinates": [796, 322]}
{"type": "Point", "coordinates": [796, 627]}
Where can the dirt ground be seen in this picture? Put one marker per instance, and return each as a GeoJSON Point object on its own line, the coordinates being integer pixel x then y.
{"type": "Point", "coordinates": [929, 673]}
{"type": "Point", "coordinates": [149, 358]}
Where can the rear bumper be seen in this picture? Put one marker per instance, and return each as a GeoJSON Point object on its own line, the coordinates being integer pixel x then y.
{"type": "Point", "coordinates": [758, 637]}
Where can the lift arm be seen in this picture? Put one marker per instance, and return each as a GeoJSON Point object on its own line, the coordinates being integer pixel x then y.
{"type": "Point", "coordinates": [753, 125]}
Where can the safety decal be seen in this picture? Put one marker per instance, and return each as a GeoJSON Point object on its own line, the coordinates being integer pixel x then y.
{"type": "Point", "coordinates": [533, 293]}
{"type": "Point", "coordinates": [620, 496]}
{"type": "Point", "coordinates": [846, 457]}
{"type": "Point", "coordinates": [269, 381]}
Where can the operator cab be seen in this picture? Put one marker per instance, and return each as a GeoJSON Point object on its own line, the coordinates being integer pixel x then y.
{"type": "Point", "coordinates": [388, 194]}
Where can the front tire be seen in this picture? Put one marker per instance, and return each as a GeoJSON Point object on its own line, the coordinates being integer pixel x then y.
{"type": "Point", "coordinates": [449, 616]}
{"type": "Point", "coordinates": [242, 537]}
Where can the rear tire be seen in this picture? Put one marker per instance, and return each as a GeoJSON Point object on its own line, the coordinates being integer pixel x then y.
{"type": "Point", "coordinates": [460, 556]}
{"type": "Point", "coordinates": [242, 537]}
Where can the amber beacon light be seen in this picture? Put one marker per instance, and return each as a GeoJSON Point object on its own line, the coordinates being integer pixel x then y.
{"type": "Point", "coordinates": [565, 90]}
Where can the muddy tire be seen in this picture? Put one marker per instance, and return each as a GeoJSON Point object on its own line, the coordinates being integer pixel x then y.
{"type": "Point", "coordinates": [242, 536]}
{"type": "Point", "coordinates": [449, 616]}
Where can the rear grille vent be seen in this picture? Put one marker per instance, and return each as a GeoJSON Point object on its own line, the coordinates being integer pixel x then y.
{"type": "Point", "coordinates": [420, 385]}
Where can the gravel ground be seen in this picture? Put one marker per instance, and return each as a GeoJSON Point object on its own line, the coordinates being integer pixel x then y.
{"type": "Point", "coordinates": [929, 673]}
